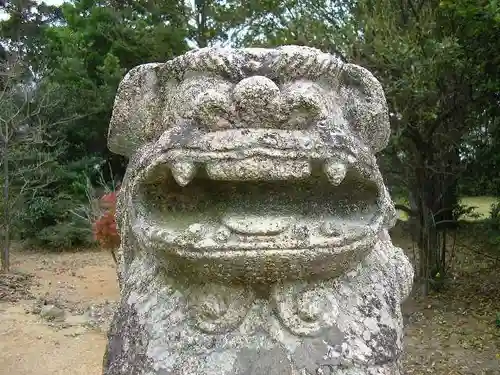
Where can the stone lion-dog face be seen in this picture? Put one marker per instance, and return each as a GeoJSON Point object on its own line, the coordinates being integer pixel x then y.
{"type": "Point", "coordinates": [252, 164]}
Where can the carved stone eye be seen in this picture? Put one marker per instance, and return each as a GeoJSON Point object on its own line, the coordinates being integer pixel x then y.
{"type": "Point", "coordinates": [303, 104]}
{"type": "Point", "coordinates": [214, 110]}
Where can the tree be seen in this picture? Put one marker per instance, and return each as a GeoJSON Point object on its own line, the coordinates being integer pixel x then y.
{"type": "Point", "coordinates": [79, 60]}
{"type": "Point", "coordinates": [476, 25]}
{"type": "Point", "coordinates": [324, 24]}
{"type": "Point", "coordinates": [22, 29]}
{"type": "Point", "coordinates": [23, 142]}
{"type": "Point", "coordinates": [421, 51]}
{"type": "Point", "coordinates": [86, 57]}
{"type": "Point", "coordinates": [434, 91]}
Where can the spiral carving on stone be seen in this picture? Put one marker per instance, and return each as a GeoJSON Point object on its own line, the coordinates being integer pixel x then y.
{"type": "Point", "coordinates": [218, 308]}
{"type": "Point", "coordinates": [301, 308]}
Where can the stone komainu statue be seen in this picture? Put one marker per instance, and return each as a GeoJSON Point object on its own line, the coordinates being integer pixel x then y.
{"type": "Point", "coordinates": [254, 218]}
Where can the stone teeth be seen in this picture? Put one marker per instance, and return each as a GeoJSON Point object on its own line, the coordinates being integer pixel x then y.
{"type": "Point", "coordinates": [335, 172]}
{"type": "Point", "coordinates": [183, 172]}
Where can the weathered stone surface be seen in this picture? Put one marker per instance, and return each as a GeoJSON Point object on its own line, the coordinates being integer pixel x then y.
{"type": "Point", "coordinates": [254, 219]}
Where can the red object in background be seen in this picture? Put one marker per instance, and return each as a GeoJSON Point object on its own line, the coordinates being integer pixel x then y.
{"type": "Point", "coordinates": [104, 228]}
{"type": "Point", "coordinates": [108, 200]}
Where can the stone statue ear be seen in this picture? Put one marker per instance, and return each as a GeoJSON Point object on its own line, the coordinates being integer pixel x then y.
{"type": "Point", "coordinates": [139, 102]}
{"type": "Point", "coordinates": [365, 106]}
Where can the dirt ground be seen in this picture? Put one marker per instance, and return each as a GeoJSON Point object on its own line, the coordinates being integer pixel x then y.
{"type": "Point", "coordinates": [55, 310]}
{"type": "Point", "coordinates": [80, 284]}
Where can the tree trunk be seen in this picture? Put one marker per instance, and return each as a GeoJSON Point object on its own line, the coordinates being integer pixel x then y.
{"type": "Point", "coordinates": [201, 18]}
{"type": "Point", "coordinates": [6, 249]}
{"type": "Point", "coordinates": [433, 197]}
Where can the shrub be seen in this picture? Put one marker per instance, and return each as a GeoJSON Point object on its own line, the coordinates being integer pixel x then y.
{"type": "Point", "coordinates": [98, 211]}
{"type": "Point", "coordinates": [104, 228]}
{"type": "Point", "coordinates": [493, 224]}
{"type": "Point", "coordinates": [494, 218]}
{"type": "Point", "coordinates": [48, 223]}
{"type": "Point", "coordinates": [51, 213]}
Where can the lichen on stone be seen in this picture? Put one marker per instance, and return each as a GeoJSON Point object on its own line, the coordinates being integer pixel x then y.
{"type": "Point", "coordinates": [254, 218]}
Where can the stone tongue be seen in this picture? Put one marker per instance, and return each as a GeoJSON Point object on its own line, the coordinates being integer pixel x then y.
{"type": "Point", "coordinates": [257, 225]}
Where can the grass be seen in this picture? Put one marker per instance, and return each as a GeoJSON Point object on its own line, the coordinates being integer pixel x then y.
{"type": "Point", "coordinates": [482, 205]}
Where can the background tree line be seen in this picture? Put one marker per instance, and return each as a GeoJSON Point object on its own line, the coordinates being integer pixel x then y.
{"type": "Point", "coordinates": [60, 66]}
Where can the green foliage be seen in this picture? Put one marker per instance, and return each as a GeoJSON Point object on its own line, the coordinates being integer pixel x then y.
{"type": "Point", "coordinates": [49, 221]}
{"type": "Point", "coordinates": [81, 59]}
{"type": "Point", "coordinates": [476, 25]}
{"type": "Point", "coordinates": [68, 234]}
{"type": "Point", "coordinates": [437, 60]}
{"type": "Point", "coordinates": [437, 92]}
{"type": "Point", "coordinates": [493, 224]}
{"type": "Point", "coordinates": [317, 23]}
{"type": "Point", "coordinates": [465, 212]}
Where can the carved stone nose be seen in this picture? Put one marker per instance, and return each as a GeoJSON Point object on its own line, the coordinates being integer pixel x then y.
{"type": "Point", "coordinates": [257, 225]}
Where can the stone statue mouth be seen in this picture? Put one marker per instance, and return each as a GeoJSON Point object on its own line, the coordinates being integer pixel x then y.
{"type": "Point", "coordinates": [256, 204]}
